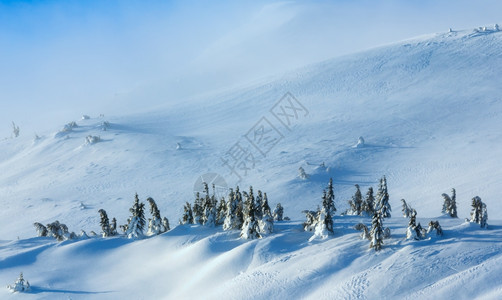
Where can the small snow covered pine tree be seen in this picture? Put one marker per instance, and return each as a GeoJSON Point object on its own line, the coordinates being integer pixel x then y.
{"type": "Point", "coordinates": [229, 216]}
{"type": "Point", "coordinates": [105, 223]}
{"type": "Point", "coordinates": [230, 211]}
{"type": "Point", "coordinates": [477, 206]}
{"type": "Point", "coordinates": [41, 229]}
{"type": "Point", "coordinates": [376, 233]}
{"type": "Point", "coordinates": [221, 212]}
{"type": "Point", "coordinates": [411, 231]}
{"type": "Point", "coordinates": [356, 204]}
{"type": "Point", "coordinates": [187, 214]}
{"type": "Point", "coordinates": [324, 198]}
{"type": "Point", "coordinates": [369, 203]}
{"type": "Point", "coordinates": [265, 207]}
{"type": "Point", "coordinates": [245, 205]}
{"type": "Point", "coordinates": [311, 219]}
{"type": "Point", "coordinates": [446, 203]}
{"type": "Point", "coordinates": [434, 225]}
{"type": "Point", "coordinates": [382, 199]}
{"type": "Point", "coordinates": [323, 225]}
{"type": "Point", "coordinates": [155, 224]}
{"type": "Point", "coordinates": [198, 209]}
{"type": "Point", "coordinates": [450, 204]}
{"type": "Point", "coordinates": [266, 223]}
{"type": "Point", "coordinates": [278, 212]}
{"type": "Point", "coordinates": [113, 227]}
{"type": "Point", "coordinates": [20, 285]}
{"type": "Point", "coordinates": [250, 228]}
{"type": "Point", "coordinates": [484, 216]}
{"type": "Point", "coordinates": [239, 212]}
{"type": "Point", "coordinates": [453, 204]}
{"type": "Point", "coordinates": [302, 174]}
{"type": "Point", "coordinates": [328, 222]}
{"type": "Point", "coordinates": [406, 209]}
{"type": "Point", "coordinates": [137, 220]}
{"type": "Point", "coordinates": [258, 205]}
{"type": "Point", "coordinates": [209, 213]}
{"type": "Point", "coordinates": [58, 231]}
{"type": "Point", "coordinates": [329, 205]}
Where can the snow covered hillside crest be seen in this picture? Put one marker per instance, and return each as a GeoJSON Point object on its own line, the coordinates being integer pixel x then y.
{"type": "Point", "coordinates": [430, 112]}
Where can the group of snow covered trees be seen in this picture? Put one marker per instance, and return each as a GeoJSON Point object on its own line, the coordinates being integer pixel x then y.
{"type": "Point", "coordinates": [415, 231]}
{"type": "Point", "coordinates": [252, 216]}
{"type": "Point", "coordinates": [134, 229]}
{"type": "Point", "coordinates": [321, 221]}
{"type": "Point", "coordinates": [378, 208]}
{"type": "Point", "coordinates": [241, 211]}
{"type": "Point", "coordinates": [479, 213]}
{"type": "Point", "coordinates": [56, 230]}
{"type": "Point", "coordinates": [369, 205]}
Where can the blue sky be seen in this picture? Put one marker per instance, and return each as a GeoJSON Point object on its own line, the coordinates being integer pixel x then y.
{"type": "Point", "coordinates": [61, 59]}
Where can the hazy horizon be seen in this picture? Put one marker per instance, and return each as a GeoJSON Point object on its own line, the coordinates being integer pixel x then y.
{"type": "Point", "coordinates": [60, 60]}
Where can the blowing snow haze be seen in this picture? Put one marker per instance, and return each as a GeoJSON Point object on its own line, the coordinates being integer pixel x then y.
{"type": "Point", "coordinates": [62, 59]}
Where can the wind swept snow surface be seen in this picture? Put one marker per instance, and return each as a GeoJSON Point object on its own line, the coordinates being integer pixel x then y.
{"type": "Point", "coordinates": [430, 112]}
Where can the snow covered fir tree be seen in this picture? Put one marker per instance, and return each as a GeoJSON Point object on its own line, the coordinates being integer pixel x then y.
{"type": "Point", "coordinates": [323, 225]}
{"type": "Point", "coordinates": [278, 212]}
{"type": "Point", "coordinates": [434, 226]}
{"type": "Point", "coordinates": [265, 220]}
{"type": "Point", "coordinates": [356, 205]}
{"type": "Point", "coordinates": [20, 285]}
{"type": "Point", "coordinates": [302, 174]}
{"type": "Point", "coordinates": [377, 231]}
{"type": "Point", "coordinates": [368, 207]}
{"type": "Point", "coordinates": [329, 200]}
{"type": "Point", "coordinates": [156, 225]}
{"type": "Point", "coordinates": [479, 213]}
{"type": "Point", "coordinates": [249, 214]}
{"type": "Point", "coordinates": [233, 211]}
{"type": "Point", "coordinates": [382, 199]}
{"type": "Point", "coordinates": [414, 230]}
{"type": "Point", "coordinates": [450, 204]}
{"type": "Point", "coordinates": [136, 223]}
{"type": "Point", "coordinates": [250, 228]}
{"type": "Point", "coordinates": [321, 221]}
{"type": "Point", "coordinates": [105, 224]}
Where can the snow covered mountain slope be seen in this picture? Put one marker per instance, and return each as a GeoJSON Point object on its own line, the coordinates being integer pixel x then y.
{"type": "Point", "coordinates": [430, 112]}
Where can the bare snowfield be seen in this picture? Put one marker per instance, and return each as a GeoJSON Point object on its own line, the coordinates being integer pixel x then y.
{"type": "Point", "coordinates": [429, 109]}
